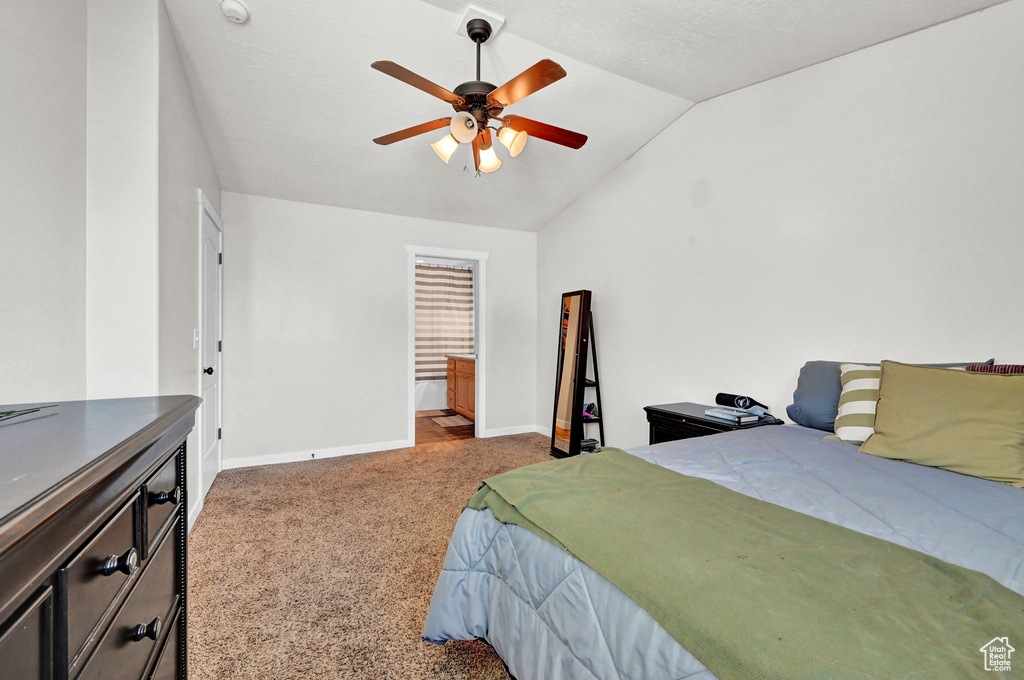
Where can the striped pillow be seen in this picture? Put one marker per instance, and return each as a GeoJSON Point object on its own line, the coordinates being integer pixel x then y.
{"type": "Point", "coordinates": [855, 421]}
{"type": "Point", "coordinates": [1001, 369]}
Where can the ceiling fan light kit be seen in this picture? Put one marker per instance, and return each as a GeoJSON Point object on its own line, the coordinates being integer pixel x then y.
{"type": "Point", "coordinates": [514, 140]}
{"type": "Point", "coordinates": [445, 147]}
{"type": "Point", "coordinates": [463, 127]}
{"type": "Point", "coordinates": [489, 161]}
{"type": "Point", "coordinates": [477, 103]}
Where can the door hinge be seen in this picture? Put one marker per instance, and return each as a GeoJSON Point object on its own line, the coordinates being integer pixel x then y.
{"type": "Point", "coordinates": [218, 433]}
{"type": "Point", "coordinates": [220, 345]}
{"type": "Point", "coordinates": [220, 258]}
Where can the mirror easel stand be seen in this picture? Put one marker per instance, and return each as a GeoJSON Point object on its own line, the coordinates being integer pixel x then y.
{"type": "Point", "coordinates": [575, 336]}
{"type": "Point", "coordinates": [595, 383]}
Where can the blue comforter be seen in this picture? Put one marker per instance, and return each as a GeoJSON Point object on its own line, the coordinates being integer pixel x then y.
{"type": "Point", "coordinates": [549, 616]}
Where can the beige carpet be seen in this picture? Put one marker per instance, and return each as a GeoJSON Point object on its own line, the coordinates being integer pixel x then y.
{"type": "Point", "coordinates": [324, 569]}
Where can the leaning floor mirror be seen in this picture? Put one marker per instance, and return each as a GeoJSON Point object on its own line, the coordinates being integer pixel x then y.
{"type": "Point", "coordinates": [571, 374]}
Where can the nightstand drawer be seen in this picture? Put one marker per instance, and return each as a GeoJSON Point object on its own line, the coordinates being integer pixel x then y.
{"type": "Point", "coordinates": [665, 431]}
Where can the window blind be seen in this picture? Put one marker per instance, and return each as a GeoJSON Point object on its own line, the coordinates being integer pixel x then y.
{"type": "Point", "coordinates": [444, 318]}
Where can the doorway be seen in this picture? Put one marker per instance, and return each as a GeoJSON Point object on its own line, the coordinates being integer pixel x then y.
{"type": "Point", "coordinates": [447, 397]}
{"type": "Point", "coordinates": [211, 240]}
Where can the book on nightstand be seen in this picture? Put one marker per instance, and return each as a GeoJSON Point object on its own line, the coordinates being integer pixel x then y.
{"type": "Point", "coordinates": [732, 415]}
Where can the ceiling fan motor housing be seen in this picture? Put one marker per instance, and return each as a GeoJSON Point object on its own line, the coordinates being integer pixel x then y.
{"type": "Point", "coordinates": [474, 100]}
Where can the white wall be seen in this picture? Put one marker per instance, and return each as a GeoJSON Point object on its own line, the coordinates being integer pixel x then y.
{"type": "Point", "coordinates": [42, 201]}
{"type": "Point", "coordinates": [315, 326]}
{"type": "Point", "coordinates": [868, 207]}
{"type": "Point", "coordinates": [185, 165]}
{"type": "Point", "coordinates": [121, 281]}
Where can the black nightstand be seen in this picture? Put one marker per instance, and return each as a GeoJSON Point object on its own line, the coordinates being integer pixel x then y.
{"type": "Point", "coordinates": [669, 422]}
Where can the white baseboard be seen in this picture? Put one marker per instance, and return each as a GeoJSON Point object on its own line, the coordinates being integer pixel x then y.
{"type": "Point", "coordinates": [546, 431]}
{"type": "Point", "coordinates": [193, 513]}
{"type": "Point", "coordinates": [505, 431]}
{"type": "Point", "coordinates": [334, 452]}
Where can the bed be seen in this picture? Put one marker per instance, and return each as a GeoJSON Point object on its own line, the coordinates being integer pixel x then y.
{"type": "Point", "coordinates": [550, 616]}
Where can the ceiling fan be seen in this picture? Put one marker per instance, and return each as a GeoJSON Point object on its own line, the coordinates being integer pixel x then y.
{"type": "Point", "coordinates": [477, 103]}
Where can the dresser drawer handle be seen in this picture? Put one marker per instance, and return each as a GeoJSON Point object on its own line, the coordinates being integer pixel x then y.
{"type": "Point", "coordinates": [172, 497]}
{"type": "Point", "coordinates": [125, 563]}
{"type": "Point", "coordinates": [142, 631]}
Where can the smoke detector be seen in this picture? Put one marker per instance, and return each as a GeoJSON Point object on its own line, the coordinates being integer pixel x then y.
{"type": "Point", "coordinates": [235, 10]}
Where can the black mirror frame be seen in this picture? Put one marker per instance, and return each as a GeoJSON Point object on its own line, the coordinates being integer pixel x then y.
{"type": "Point", "coordinates": [580, 374]}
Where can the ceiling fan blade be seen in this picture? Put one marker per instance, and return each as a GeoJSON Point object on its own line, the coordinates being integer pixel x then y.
{"type": "Point", "coordinates": [406, 76]}
{"type": "Point", "coordinates": [541, 74]}
{"type": "Point", "coordinates": [550, 133]}
{"type": "Point", "coordinates": [413, 131]}
{"type": "Point", "coordinates": [476, 153]}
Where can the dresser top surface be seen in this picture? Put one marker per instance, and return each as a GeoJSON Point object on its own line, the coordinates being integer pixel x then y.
{"type": "Point", "coordinates": [40, 450]}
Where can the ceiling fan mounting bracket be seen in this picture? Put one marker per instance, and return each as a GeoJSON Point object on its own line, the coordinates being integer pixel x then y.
{"type": "Point", "coordinates": [479, 30]}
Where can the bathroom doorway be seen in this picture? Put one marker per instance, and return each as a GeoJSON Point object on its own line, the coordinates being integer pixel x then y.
{"type": "Point", "coordinates": [446, 344]}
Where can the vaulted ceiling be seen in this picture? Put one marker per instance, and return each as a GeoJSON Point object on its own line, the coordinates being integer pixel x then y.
{"type": "Point", "coordinates": [290, 104]}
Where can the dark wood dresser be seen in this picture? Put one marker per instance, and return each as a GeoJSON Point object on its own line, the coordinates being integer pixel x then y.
{"type": "Point", "coordinates": [93, 540]}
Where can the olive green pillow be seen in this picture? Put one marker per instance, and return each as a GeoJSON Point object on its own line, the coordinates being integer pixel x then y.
{"type": "Point", "coordinates": [971, 423]}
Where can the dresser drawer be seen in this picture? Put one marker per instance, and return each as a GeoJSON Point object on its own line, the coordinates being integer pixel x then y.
{"type": "Point", "coordinates": [162, 497]}
{"type": "Point", "coordinates": [26, 642]}
{"type": "Point", "coordinates": [125, 650]}
{"type": "Point", "coordinates": [167, 664]}
{"type": "Point", "coordinates": [96, 576]}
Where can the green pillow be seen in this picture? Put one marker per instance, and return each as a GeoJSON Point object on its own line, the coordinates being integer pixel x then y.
{"type": "Point", "coordinates": [971, 423]}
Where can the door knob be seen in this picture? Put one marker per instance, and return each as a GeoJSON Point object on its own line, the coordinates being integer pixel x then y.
{"type": "Point", "coordinates": [208, 370]}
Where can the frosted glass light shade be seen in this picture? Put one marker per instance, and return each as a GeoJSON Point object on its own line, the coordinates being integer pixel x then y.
{"type": "Point", "coordinates": [489, 161]}
{"type": "Point", "coordinates": [445, 147]}
{"type": "Point", "coordinates": [514, 140]}
{"type": "Point", "coordinates": [463, 127]}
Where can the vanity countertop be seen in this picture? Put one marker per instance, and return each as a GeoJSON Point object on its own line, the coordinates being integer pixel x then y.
{"type": "Point", "coordinates": [462, 357]}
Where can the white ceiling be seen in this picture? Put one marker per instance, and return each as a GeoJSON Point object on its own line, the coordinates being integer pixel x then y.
{"type": "Point", "coordinates": [699, 49]}
{"type": "Point", "coordinates": [290, 104]}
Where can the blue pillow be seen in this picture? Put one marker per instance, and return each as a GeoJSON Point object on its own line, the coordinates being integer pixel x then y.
{"type": "Point", "coordinates": [816, 399]}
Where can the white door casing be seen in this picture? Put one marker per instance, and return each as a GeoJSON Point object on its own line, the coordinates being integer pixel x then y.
{"type": "Point", "coordinates": [210, 381]}
{"type": "Point", "coordinates": [480, 331]}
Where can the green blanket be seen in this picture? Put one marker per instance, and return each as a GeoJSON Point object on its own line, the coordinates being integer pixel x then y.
{"type": "Point", "coordinates": [753, 590]}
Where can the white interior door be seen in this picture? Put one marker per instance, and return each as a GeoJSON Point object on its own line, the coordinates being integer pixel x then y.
{"type": "Point", "coordinates": [210, 349]}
